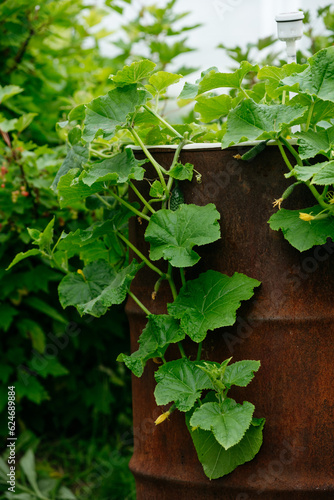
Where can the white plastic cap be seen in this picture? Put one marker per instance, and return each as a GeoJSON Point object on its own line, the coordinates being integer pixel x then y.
{"type": "Point", "coordinates": [290, 25]}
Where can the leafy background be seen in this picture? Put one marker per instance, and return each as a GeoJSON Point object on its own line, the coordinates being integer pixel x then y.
{"type": "Point", "coordinates": [74, 415]}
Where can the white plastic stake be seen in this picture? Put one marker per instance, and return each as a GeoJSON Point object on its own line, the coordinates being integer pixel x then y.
{"type": "Point", "coordinates": [290, 29]}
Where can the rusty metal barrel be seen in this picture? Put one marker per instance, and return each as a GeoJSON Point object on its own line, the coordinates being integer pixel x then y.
{"type": "Point", "coordinates": [288, 326]}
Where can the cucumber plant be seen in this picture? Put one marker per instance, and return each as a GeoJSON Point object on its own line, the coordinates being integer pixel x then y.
{"type": "Point", "coordinates": [225, 433]}
{"type": "Point", "coordinates": [100, 170]}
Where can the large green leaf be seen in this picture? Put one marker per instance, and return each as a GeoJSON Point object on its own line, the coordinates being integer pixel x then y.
{"type": "Point", "coordinates": [133, 73]}
{"type": "Point", "coordinates": [172, 234]}
{"type": "Point", "coordinates": [321, 110]}
{"type": "Point", "coordinates": [181, 381]}
{"type": "Point", "coordinates": [210, 302]}
{"type": "Point", "coordinates": [241, 372]}
{"type": "Point", "coordinates": [317, 79]}
{"type": "Point", "coordinates": [273, 76]}
{"type": "Point", "coordinates": [227, 420]}
{"type": "Point", "coordinates": [96, 288]}
{"type": "Point", "coordinates": [300, 233]}
{"type": "Point", "coordinates": [108, 113]}
{"type": "Point", "coordinates": [319, 173]}
{"type": "Point", "coordinates": [217, 461]}
{"type": "Point", "coordinates": [314, 142]}
{"type": "Point", "coordinates": [116, 170]}
{"type": "Point", "coordinates": [250, 121]}
{"type": "Point", "coordinates": [160, 331]}
{"type": "Point", "coordinates": [212, 108]}
{"type": "Point", "coordinates": [71, 189]}
{"type": "Point", "coordinates": [214, 80]}
{"type": "Point", "coordinates": [181, 172]}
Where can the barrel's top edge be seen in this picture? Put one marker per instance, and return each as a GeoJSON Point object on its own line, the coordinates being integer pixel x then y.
{"type": "Point", "coordinates": [206, 145]}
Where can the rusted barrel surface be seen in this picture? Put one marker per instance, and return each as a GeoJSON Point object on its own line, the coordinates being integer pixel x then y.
{"type": "Point", "coordinates": [288, 326]}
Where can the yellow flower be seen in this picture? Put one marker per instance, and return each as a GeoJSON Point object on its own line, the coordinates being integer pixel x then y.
{"type": "Point", "coordinates": [278, 203]}
{"type": "Point", "coordinates": [162, 417]}
{"type": "Point", "coordinates": [80, 271]}
{"type": "Point", "coordinates": [306, 217]}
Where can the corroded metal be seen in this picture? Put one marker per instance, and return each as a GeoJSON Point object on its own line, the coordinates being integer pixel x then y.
{"type": "Point", "coordinates": [288, 326]}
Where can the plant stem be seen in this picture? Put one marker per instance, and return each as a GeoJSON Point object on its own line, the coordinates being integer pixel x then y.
{"type": "Point", "coordinates": [199, 351]}
{"type": "Point", "coordinates": [140, 304]}
{"type": "Point", "coordinates": [180, 346]}
{"type": "Point", "coordinates": [313, 190]}
{"type": "Point", "coordinates": [172, 129]}
{"type": "Point", "coordinates": [159, 169]}
{"type": "Point", "coordinates": [126, 204]}
{"type": "Point", "coordinates": [309, 116]}
{"type": "Point", "coordinates": [141, 197]}
{"type": "Point", "coordinates": [175, 159]}
{"type": "Point", "coordinates": [183, 278]}
{"type": "Point", "coordinates": [292, 150]}
{"type": "Point", "coordinates": [171, 281]}
{"type": "Point", "coordinates": [140, 255]}
{"type": "Point", "coordinates": [244, 92]}
{"type": "Point", "coordinates": [99, 154]}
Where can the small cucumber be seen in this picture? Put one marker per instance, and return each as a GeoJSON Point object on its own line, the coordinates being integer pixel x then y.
{"type": "Point", "coordinates": [253, 152]}
{"type": "Point", "coordinates": [176, 198]}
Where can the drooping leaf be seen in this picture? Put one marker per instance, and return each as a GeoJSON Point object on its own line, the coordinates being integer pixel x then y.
{"type": "Point", "coordinates": [227, 420]}
{"type": "Point", "coordinates": [134, 73]}
{"type": "Point", "coordinates": [23, 255]}
{"type": "Point", "coordinates": [105, 114]}
{"type": "Point", "coordinates": [250, 121]}
{"type": "Point", "coordinates": [314, 142]}
{"type": "Point", "coordinates": [319, 173]}
{"type": "Point", "coordinates": [160, 331]}
{"type": "Point", "coordinates": [212, 108]}
{"type": "Point", "coordinates": [116, 170]}
{"type": "Point", "coordinates": [181, 381]}
{"type": "Point", "coordinates": [182, 172]}
{"type": "Point", "coordinates": [76, 157]}
{"type": "Point", "coordinates": [302, 234]}
{"type": "Point", "coordinates": [241, 372]}
{"type": "Point", "coordinates": [317, 79]}
{"type": "Point", "coordinates": [172, 234]}
{"type": "Point", "coordinates": [210, 302]}
{"type": "Point", "coordinates": [216, 80]}
{"type": "Point", "coordinates": [217, 461]}
{"type": "Point", "coordinates": [96, 288]}
{"type": "Point", "coordinates": [71, 189]}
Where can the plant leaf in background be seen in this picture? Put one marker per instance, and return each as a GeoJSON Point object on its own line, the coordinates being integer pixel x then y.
{"type": "Point", "coordinates": [96, 288]}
